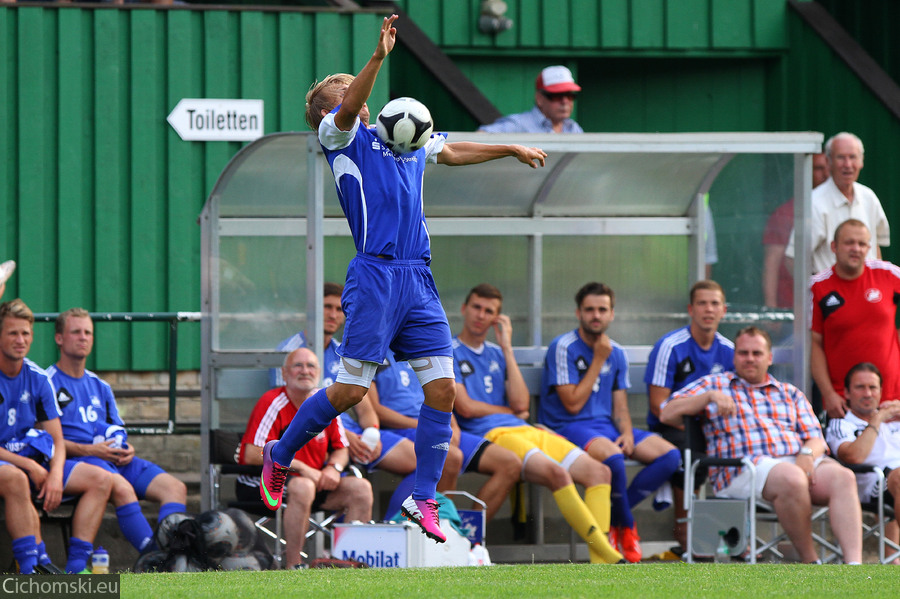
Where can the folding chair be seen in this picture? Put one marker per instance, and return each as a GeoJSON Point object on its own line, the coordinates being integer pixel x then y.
{"type": "Point", "coordinates": [739, 517]}
{"type": "Point", "coordinates": [224, 447]}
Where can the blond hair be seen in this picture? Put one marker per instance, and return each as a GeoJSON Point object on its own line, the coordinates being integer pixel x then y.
{"type": "Point", "coordinates": [16, 309]}
{"type": "Point", "coordinates": [322, 96]}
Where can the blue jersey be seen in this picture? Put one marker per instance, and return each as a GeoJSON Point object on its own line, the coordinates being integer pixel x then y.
{"type": "Point", "coordinates": [399, 388]}
{"type": "Point", "coordinates": [677, 360]}
{"type": "Point", "coordinates": [380, 192]}
{"type": "Point", "coordinates": [568, 358]}
{"type": "Point", "coordinates": [88, 405]}
{"type": "Point", "coordinates": [329, 368]}
{"type": "Point", "coordinates": [483, 373]}
{"type": "Point", "coordinates": [27, 398]}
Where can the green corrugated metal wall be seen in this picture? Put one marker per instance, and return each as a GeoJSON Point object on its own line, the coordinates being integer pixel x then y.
{"type": "Point", "coordinates": [99, 197]}
{"type": "Point", "coordinates": [568, 26]}
{"type": "Point", "coordinates": [630, 56]}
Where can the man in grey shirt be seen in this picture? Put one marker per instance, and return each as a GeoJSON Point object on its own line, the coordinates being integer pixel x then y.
{"type": "Point", "coordinates": [554, 99]}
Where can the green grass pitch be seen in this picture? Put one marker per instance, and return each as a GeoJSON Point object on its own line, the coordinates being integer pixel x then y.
{"type": "Point", "coordinates": [665, 581]}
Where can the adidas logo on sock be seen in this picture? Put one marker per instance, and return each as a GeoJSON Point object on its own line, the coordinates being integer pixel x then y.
{"type": "Point", "coordinates": [445, 446]}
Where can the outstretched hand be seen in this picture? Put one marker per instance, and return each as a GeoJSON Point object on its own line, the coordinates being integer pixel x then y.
{"type": "Point", "coordinates": [529, 156]}
{"type": "Point", "coordinates": [388, 37]}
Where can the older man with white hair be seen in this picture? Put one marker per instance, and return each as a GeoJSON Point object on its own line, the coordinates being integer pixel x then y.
{"type": "Point", "coordinates": [840, 198]}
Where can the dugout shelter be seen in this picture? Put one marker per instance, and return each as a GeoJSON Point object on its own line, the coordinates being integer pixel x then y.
{"type": "Point", "coordinates": [625, 209]}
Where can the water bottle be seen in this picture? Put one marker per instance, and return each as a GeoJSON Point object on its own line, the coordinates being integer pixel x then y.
{"type": "Point", "coordinates": [100, 561]}
{"type": "Point", "coordinates": [723, 552]}
{"type": "Point", "coordinates": [118, 436]}
{"type": "Point", "coordinates": [370, 437]}
{"type": "Point", "coordinates": [478, 556]}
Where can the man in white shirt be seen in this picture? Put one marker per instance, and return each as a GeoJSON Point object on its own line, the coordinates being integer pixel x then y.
{"type": "Point", "coordinates": [869, 434]}
{"type": "Point", "coordinates": [840, 198]}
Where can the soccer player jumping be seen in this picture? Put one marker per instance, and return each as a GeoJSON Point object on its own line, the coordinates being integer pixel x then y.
{"type": "Point", "coordinates": [390, 297]}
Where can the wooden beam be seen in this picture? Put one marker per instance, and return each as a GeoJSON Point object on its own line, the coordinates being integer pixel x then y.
{"type": "Point", "coordinates": [851, 52]}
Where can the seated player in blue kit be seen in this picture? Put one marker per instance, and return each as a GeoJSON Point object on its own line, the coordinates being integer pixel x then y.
{"type": "Point", "coordinates": [89, 418]}
{"type": "Point", "coordinates": [584, 398]}
{"type": "Point", "coordinates": [31, 440]}
{"type": "Point", "coordinates": [493, 400]}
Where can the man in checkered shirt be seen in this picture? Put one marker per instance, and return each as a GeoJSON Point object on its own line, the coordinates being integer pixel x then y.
{"type": "Point", "coordinates": [749, 413]}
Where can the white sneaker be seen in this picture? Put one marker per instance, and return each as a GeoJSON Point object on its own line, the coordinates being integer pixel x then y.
{"type": "Point", "coordinates": [6, 270]}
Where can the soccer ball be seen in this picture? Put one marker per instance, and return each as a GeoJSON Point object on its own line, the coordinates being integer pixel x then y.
{"type": "Point", "coordinates": [166, 529]}
{"type": "Point", "coordinates": [183, 563]}
{"type": "Point", "coordinates": [247, 533]}
{"type": "Point", "coordinates": [240, 561]}
{"type": "Point", "coordinates": [404, 125]}
{"type": "Point", "coordinates": [220, 533]}
{"type": "Point", "coordinates": [152, 561]}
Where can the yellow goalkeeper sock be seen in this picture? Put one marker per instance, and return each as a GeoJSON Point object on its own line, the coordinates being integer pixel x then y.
{"type": "Point", "coordinates": [579, 518]}
{"type": "Point", "coordinates": [597, 500]}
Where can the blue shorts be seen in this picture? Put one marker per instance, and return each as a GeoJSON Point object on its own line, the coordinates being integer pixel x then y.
{"type": "Point", "coordinates": [392, 304]}
{"type": "Point", "coordinates": [472, 446]}
{"type": "Point", "coordinates": [138, 472]}
{"type": "Point", "coordinates": [582, 433]}
{"type": "Point", "coordinates": [389, 440]}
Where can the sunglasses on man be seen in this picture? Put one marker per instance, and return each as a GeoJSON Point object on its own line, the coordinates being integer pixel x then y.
{"type": "Point", "coordinates": [558, 97]}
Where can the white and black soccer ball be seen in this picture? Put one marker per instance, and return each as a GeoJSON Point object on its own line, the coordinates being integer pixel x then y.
{"type": "Point", "coordinates": [404, 125]}
{"type": "Point", "coordinates": [166, 529]}
{"type": "Point", "coordinates": [183, 563]}
{"type": "Point", "coordinates": [220, 533]}
{"type": "Point", "coordinates": [152, 561]}
{"type": "Point", "coordinates": [240, 561]}
{"type": "Point", "coordinates": [247, 532]}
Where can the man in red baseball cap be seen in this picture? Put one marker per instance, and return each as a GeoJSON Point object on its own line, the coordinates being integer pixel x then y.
{"type": "Point", "coordinates": [554, 99]}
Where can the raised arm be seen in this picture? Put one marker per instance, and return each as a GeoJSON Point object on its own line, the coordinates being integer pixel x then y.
{"type": "Point", "coordinates": [574, 397]}
{"type": "Point", "coordinates": [360, 88]}
{"type": "Point", "coordinates": [461, 153]}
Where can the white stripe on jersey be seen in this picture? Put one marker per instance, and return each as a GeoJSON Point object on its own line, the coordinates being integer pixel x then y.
{"type": "Point", "coordinates": [344, 166]}
{"type": "Point", "coordinates": [268, 419]}
{"type": "Point", "coordinates": [662, 357]}
{"type": "Point", "coordinates": [562, 357]}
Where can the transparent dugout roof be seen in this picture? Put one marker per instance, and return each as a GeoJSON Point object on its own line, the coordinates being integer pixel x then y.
{"type": "Point", "coordinates": [639, 175]}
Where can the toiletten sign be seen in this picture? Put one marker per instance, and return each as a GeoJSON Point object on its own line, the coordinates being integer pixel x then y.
{"type": "Point", "coordinates": [210, 119]}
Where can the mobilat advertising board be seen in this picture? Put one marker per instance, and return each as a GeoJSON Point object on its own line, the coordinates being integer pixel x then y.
{"type": "Point", "coordinates": [397, 546]}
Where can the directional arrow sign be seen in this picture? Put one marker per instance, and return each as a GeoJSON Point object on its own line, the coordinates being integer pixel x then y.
{"type": "Point", "coordinates": [209, 119]}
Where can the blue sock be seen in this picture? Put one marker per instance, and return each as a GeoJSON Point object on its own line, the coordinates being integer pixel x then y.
{"type": "Point", "coordinates": [404, 489]}
{"type": "Point", "coordinates": [652, 476]}
{"type": "Point", "coordinates": [79, 553]}
{"type": "Point", "coordinates": [25, 550]}
{"type": "Point", "coordinates": [170, 508]}
{"type": "Point", "coordinates": [134, 525]}
{"type": "Point", "coordinates": [619, 514]}
{"type": "Point", "coordinates": [43, 558]}
{"type": "Point", "coordinates": [432, 444]}
{"type": "Point", "coordinates": [310, 420]}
